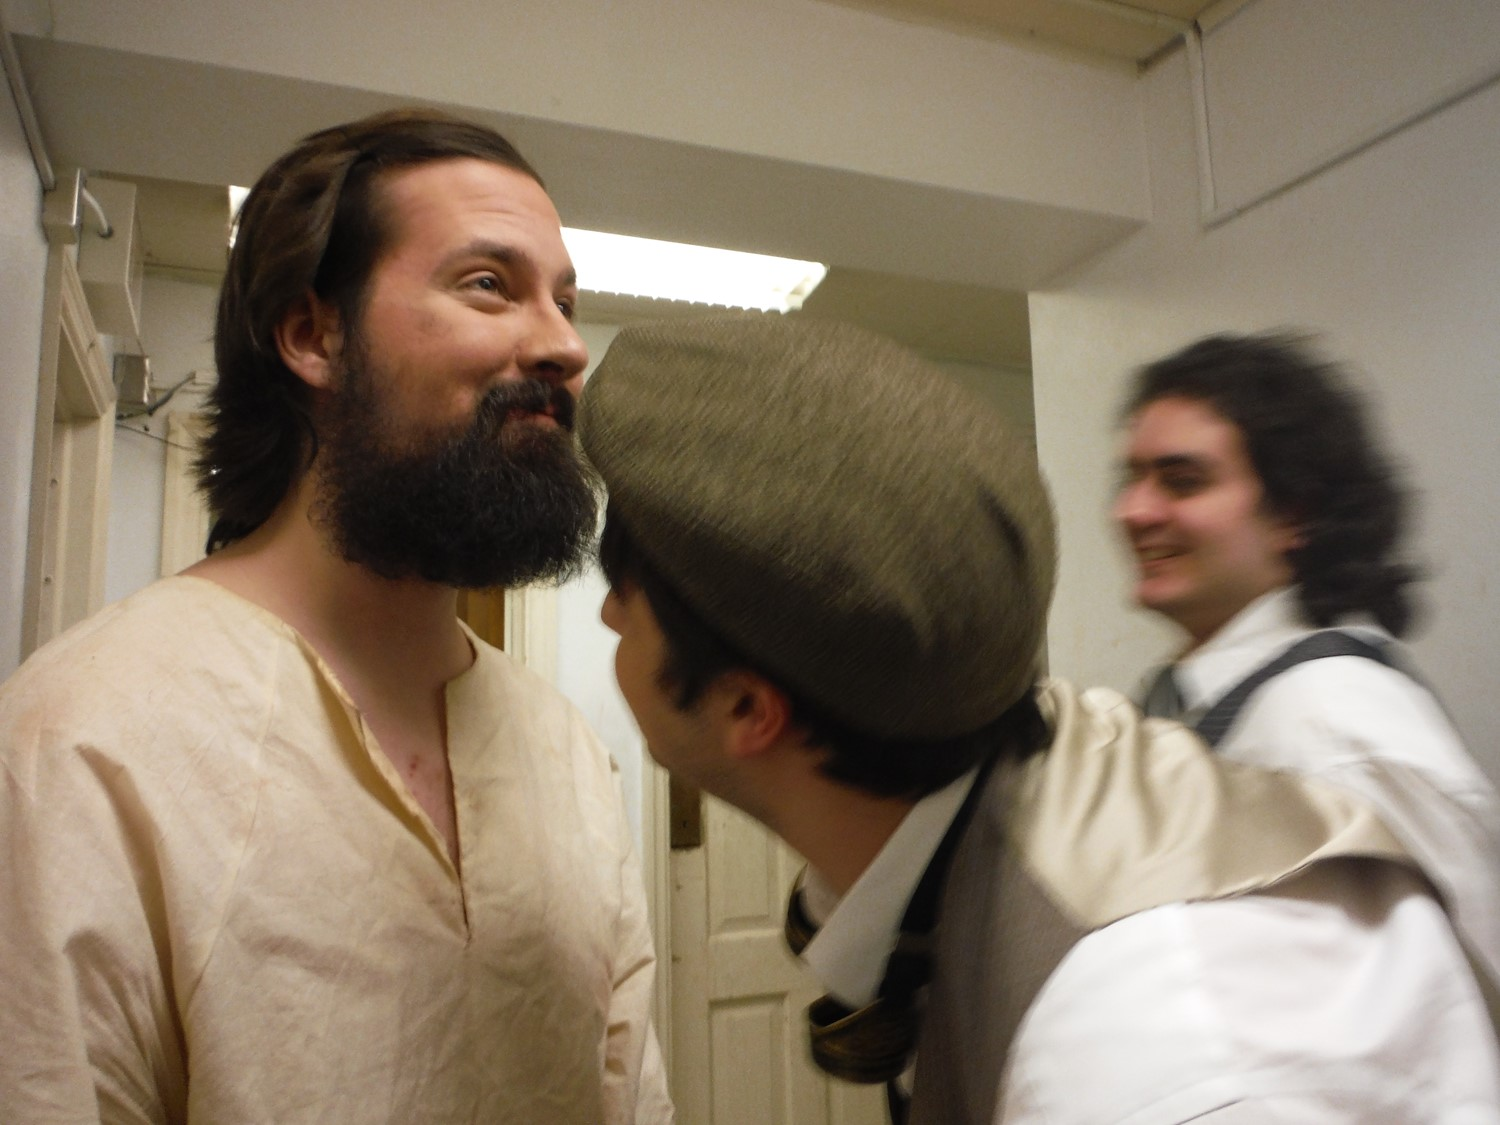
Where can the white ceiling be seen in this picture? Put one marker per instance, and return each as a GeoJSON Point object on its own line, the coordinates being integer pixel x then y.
{"type": "Point", "coordinates": [182, 224]}
{"type": "Point", "coordinates": [1132, 32]}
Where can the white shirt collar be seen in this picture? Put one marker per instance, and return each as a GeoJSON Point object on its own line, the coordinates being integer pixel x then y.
{"type": "Point", "coordinates": [1268, 625]}
{"type": "Point", "coordinates": [858, 932]}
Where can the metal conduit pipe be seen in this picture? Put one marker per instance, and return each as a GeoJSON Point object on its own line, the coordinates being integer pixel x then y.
{"type": "Point", "coordinates": [25, 108]}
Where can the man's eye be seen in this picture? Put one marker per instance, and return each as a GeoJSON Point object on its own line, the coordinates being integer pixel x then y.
{"type": "Point", "coordinates": [487, 283]}
{"type": "Point", "coordinates": [1182, 484]}
{"type": "Point", "coordinates": [568, 307]}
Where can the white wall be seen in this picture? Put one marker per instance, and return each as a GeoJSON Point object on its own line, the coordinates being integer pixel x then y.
{"type": "Point", "coordinates": [23, 267]}
{"type": "Point", "coordinates": [1007, 389]}
{"type": "Point", "coordinates": [137, 479]}
{"type": "Point", "coordinates": [177, 321]}
{"type": "Point", "coordinates": [1394, 257]}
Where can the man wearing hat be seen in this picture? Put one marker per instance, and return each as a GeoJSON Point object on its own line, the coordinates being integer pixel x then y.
{"type": "Point", "coordinates": [829, 572]}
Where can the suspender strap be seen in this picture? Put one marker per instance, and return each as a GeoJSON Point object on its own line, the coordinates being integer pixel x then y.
{"type": "Point", "coordinates": [1215, 724]}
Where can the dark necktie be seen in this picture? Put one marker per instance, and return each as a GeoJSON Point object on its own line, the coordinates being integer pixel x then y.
{"type": "Point", "coordinates": [1163, 699]}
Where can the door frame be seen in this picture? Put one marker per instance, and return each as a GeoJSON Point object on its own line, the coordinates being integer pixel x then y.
{"type": "Point", "coordinates": [70, 462]}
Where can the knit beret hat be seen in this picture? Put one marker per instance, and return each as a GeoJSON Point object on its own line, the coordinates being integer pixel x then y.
{"type": "Point", "coordinates": [843, 513]}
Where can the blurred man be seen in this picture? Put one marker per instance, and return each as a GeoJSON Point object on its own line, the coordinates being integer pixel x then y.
{"type": "Point", "coordinates": [829, 570]}
{"type": "Point", "coordinates": [1266, 522]}
{"type": "Point", "coordinates": [285, 841]}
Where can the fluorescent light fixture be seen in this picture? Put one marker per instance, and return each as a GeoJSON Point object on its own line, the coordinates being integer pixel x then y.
{"type": "Point", "coordinates": [236, 199]}
{"type": "Point", "coordinates": [678, 271]}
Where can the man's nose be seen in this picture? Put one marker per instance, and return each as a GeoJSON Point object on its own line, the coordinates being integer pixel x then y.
{"type": "Point", "coordinates": [1137, 505]}
{"type": "Point", "coordinates": [552, 350]}
{"type": "Point", "coordinates": [610, 611]}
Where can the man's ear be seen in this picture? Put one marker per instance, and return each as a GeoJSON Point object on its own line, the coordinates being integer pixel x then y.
{"type": "Point", "coordinates": [310, 339]}
{"type": "Point", "coordinates": [1293, 534]}
{"type": "Point", "coordinates": [759, 714]}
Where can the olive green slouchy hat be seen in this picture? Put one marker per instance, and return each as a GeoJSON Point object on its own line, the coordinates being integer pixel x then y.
{"type": "Point", "coordinates": [841, 511]}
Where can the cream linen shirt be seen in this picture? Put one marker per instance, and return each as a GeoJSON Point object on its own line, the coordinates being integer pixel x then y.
{"type": "Point", "coordinates": [1374, 731]}
{"type": "Point", "coordinates": [221, 904]}
{"type": "Point", "coordinates": [1342, 1001]}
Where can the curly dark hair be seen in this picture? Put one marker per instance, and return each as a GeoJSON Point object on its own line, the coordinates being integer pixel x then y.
{"type": "Point", "coordinates": [696, 655]}
{"type": "Point", "coordinates": [1310, 441]}
{"type": "Point", "coordinates": [313, 223]}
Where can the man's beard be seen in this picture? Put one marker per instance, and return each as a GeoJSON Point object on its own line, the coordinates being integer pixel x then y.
{"type": "Point", "coordinates": [505, 502]}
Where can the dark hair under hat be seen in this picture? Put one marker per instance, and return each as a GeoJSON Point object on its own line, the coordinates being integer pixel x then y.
{"type": "Point", "coordinates": [837, 508]}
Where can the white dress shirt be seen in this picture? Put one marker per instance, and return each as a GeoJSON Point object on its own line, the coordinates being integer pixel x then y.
{"type": "Point", "coordinates": [1376, 732]}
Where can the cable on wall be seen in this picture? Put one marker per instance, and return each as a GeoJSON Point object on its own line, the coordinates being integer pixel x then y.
{"type": "Point", "coordinates": [105, 229]}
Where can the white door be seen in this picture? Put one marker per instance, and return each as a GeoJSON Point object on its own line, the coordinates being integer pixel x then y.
{"type": "Point", "coordinates": [739, 998]}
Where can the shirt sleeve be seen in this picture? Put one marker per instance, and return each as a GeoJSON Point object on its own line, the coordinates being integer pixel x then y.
{"type": "Point", "coordinates": [1374, 732]}
{"type": "Point", "coordinates": [635, 1083]}
{"type": "Point", "coordinates": [87, 1020]}
{"type": "Point", "coordinates": [1341, 998]}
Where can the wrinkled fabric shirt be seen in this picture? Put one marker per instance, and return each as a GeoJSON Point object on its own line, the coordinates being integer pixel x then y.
{"type": "Point", "coordinates": [1376, 732]}
{"type": "Point", "coordinates": [221, 904]}
{"type": "Point", "coordinates": [1340, 999]}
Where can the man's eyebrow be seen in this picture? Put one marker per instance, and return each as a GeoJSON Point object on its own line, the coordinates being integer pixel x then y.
{"type": "Point", "coordinates": [488, 248]}
{"type": "Point", "coordinates": [1168, 461]}
{"type": "Point", "coordinates": [507, 255]}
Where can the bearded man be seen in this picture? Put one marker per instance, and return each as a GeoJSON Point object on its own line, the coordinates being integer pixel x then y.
{"type": "Point", "coordinates": [286, 841]}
